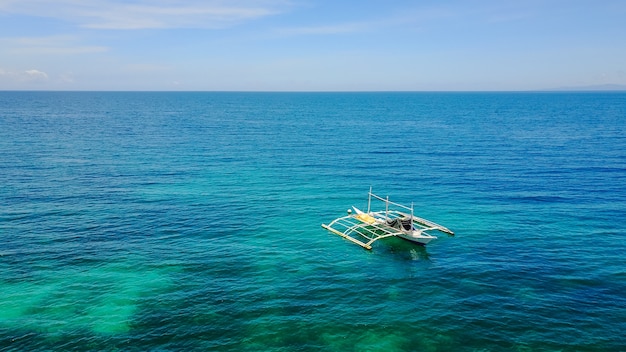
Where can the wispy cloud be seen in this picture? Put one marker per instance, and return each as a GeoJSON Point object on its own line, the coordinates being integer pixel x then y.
{"type": "Point", "coordinates": [48, 45]}
{"type": "Point", "coordinates": [410, 18]}
{"type": "Point", "coordinates": [144, 14]}
{"type": "Point", "coordinates": [31, 75]}
{"type": "Point", "coordinates": [146, 67]}
{"type": "Point", "coordinates": [416, 17]}
{"type": "Point", "coordinates": [340, 28]}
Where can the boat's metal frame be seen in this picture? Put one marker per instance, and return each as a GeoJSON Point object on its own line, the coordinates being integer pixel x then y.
{"type": "Point", "coordinates": [365, 228]}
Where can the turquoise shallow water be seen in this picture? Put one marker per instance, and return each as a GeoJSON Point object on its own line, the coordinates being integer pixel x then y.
{"type": "Point", "coordinates": [191, 221]}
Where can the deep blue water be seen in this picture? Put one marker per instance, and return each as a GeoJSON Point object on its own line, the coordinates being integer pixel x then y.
{"type": "Point", "coordinates": [191, 221]}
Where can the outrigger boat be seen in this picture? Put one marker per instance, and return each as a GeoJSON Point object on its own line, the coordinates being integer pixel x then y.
{"type": "Point", "coordinates": [364, 228]}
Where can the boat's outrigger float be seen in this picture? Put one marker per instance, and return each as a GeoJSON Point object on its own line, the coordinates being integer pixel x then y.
{"type": "Point", "coordinates": [364, 228]}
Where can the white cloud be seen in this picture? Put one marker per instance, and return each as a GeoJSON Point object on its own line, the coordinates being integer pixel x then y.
{"type": "Point", "coordinates": [32, 75]}
{"type": "Point", "coordinates": [35, 75]}
{"type": "Point", "coordinates": [143, 14]}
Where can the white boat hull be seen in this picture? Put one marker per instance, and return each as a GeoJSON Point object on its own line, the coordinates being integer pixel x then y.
{"type": "Point", "coordinates": [417, 238]}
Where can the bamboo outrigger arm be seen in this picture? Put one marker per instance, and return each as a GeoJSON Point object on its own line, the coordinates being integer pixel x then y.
{"type": "Point", "coordinates": [354, 240]}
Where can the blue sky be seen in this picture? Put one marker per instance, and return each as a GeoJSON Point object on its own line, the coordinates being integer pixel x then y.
{"type": "Point", "coordinates": [311, 45]}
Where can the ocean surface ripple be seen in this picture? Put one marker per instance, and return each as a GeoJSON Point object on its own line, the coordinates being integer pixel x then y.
{"type": "Point", "coordinates": [191, 221]}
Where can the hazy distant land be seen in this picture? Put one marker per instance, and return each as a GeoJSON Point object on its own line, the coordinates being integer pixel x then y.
{"type": "Point", "coordinates": [599, 87]}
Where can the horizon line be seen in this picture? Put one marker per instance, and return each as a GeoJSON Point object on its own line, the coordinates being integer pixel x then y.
{"type": "Point", "coordinates": [549, 90]}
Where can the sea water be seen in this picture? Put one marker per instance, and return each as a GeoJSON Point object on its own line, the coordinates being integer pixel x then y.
{"type": "Point", "coordinates": [187, 221]}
